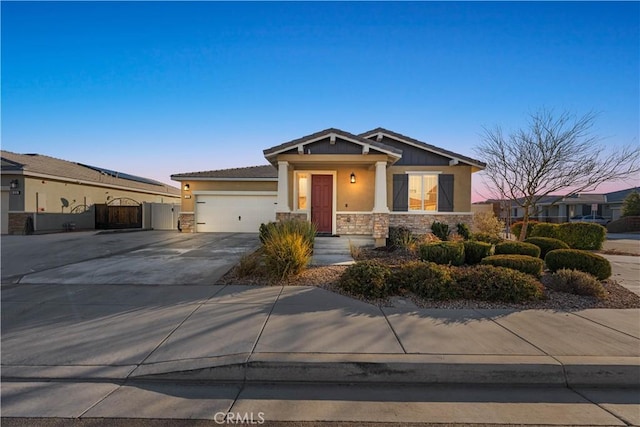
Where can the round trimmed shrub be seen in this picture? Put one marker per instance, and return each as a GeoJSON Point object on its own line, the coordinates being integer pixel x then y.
{"type": "Point", "coordinates": [489, 283]}
{"type": "Point", "coordinates": [544, 229]}
{"type": "Point", "coordinates": [517, 248]}
{"type": "Point", "coordinates": [524, 263]}
{"type": "Point", "coordinates": [576, 259]}
{"type": "Point", "coordinates": [443, 253]}
{"type": "Point", "coordinates": [546, 244]}
{"type": "Point", "coordinates": [426, 279]}
{"type": "Point", "coordinates": [367, 278]}
{"type": "Point", "coordinates": [475, 251]}
{"type": "Point", "coordinates": [487, 238]}
{"type": "Point", "coordinates": [582, 235]}
{"type": "Point", "coordinates": [576, 282]}
{"type": "Point", "coordinates": [516, 228]}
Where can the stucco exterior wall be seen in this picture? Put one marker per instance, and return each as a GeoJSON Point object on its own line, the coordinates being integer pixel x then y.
{"type": "Point", "coordinates": [461, 183]}
{"type": "Point", "coordinates": [51, 192]}
{"type": "Point", "coordinates": [188, 204]}
{"type": "Point", "coordinates": [349, 197]}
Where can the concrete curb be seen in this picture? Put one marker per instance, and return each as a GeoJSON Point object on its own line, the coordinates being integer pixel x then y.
{"type": "Point", "coordinates": [583, 371]}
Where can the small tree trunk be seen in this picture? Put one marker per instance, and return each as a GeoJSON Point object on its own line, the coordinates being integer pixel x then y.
{"type": "Point", "coordinates": [525, 224]}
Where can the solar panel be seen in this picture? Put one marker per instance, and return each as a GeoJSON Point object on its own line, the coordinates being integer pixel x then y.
{"type": "Point", "coordinates": [122, 175]}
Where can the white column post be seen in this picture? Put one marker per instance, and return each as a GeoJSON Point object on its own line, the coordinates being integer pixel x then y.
{"type": "Point", "coordinates": [380, 198]}
{"type": "Point", "coordinates": [283, 187]}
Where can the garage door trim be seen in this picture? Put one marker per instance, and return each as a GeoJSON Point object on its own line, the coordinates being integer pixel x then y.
{"type": "Point", "coordinates": [235, 193]}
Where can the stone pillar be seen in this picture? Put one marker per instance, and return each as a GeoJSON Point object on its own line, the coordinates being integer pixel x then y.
{"type": "Point", "coordinates": [283, 188]}
{"type": "Point", "coordinates": [380, 196]}
{"type": "Point", "coordinates": [187, 222]}
{"type": "Point", "coordinates": [380, 228]}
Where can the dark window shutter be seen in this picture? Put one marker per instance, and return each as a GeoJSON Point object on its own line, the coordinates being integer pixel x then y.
{"type": "Point", "coordinates": [445, 193]}
{"type": "Point", "coordinates": [401, 192]}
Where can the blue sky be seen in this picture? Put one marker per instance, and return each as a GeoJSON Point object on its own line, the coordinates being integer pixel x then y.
{"type": "Point", "coordinates": [159, 88]}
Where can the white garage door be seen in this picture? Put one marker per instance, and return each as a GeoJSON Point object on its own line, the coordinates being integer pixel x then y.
{"type": "Point", "coordinates": [235, 212]}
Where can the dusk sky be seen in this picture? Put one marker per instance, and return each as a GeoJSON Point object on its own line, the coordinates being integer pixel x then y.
{"type": "Point", "coordinates": [154, 89]}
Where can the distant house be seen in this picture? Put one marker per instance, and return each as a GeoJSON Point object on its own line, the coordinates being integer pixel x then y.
{"type": "Point", "coordinates": [342, 182]}
{"type": "Point", "coordinates": [34, 185]}
{"type": "Point", "coordinates": [560, 208]}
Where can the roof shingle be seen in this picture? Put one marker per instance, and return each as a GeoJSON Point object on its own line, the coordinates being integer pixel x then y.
{"type": "Point", "coordinates": [45, 165]}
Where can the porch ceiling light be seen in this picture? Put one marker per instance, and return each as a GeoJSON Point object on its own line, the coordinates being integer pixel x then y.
{"type": "Point", "coordinates": [353, 178]}
{"type": "Point", "coordinates": [186, 187]}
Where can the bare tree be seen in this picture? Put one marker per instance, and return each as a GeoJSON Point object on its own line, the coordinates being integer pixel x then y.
{"type": "Point", "coordinates": [553, 153]}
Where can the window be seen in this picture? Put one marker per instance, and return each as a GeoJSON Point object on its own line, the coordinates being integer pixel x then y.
{"type": "Point", "coordinates": [423, 192]}
{"type": "Point", "coordinates": [303, 190]}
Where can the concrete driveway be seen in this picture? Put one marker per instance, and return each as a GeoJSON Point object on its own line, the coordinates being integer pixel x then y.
{"type": "Point", "coordinates": [140, 258]}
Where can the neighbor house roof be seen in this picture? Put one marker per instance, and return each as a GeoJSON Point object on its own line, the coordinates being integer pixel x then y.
{"type": "Point", "coordinates": [41, 166]}
{"type": "Point", "coordinates": [423, 145]}
{"type": "Point", "coordinates": [270, 152]}
{"type": "Point", "coordinates": [619, 196]}
{"type": "Point", "coordinates": [262, 173]}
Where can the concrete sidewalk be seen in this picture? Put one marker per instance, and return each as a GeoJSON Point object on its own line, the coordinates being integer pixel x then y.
{"type": "Point", "coordinates": [200, 352]}
{"type": "Point", "coordinates": [244, 333]}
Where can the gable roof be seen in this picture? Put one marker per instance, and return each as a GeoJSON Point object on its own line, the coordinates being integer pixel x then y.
{"type": "Point", "coordinates": [269, 153]}
{"type": "Point", "coordinates": [42, 166]}
{"type": "Point", "coordinates": [620, 195]}
{"type": "Point", "coordinates": [251, 173]}
{"type": "Point", "coordinates": [423, 145]}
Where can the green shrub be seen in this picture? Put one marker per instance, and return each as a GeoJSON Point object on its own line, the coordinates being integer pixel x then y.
{"type": "Point", "coordinates": [426, 279]}
{"type": "Point", "coordinates": [487, 238]}
{"type": "Point", "coordinates": [305, 229]}
{"type": "Point", "coordinates": [517, 248]}
{"type": "Point", "coordinates": [546, 244]}
{"type": "Point", "coordinates": [516, 228]}
{"type": "Point", "coordinates": [544, 229]}
{"type": "Point", "coordinates": [463, 230]}
{"type": "Point", "coordinates": [524, 263]}
{"type": "Point", "coordinates": [400, 238]}
{"type": "Point", "coordinates": [489, 283]}
{"type": "Point", "coordinates": [286, 253]}
{"type": "Point", "coordinates": [631, 204]}
{"type": "Point", "coordinates": [575, 259]}
{"type": "Point", "coordinates": [440, 230]}
{"type": "Point", "coordinates": [443, 253]}
{"type": "Point", "coordinates": [576, 282]}
{"type": "Point", "coordinates": [367, 278]}
{"type": "Point", "coordinates": [582, 235]}
{"type": "Point", "coordinates": [475, 251]}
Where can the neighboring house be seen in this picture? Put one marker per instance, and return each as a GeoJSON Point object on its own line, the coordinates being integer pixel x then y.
{"type": "Point", "coordinates": [558, 208]}
{"type": "Point", "coordinates": [36, 186]}
{"type": "Point", "coordinates": [344, 183]}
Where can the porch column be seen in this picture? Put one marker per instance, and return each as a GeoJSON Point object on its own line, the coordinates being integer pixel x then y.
{"type": "Point", "coordinates": [380, 197]}
{"type": "Point", "coordinates": [283, 187]}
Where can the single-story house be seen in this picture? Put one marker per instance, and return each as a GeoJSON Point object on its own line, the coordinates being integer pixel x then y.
{"type": "Point", "coordinates": [559, 208]}
{"type": "Point", "coordinates": [344, 183]}
{"type": "Point", "coordinates": [37, 187]}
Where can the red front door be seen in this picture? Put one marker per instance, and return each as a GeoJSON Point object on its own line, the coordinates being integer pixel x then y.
{"type": "Point", "coordinates": [322, 202]}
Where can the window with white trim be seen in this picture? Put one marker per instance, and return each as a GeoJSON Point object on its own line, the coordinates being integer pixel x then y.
{"type": "Point", "coordinates": [303, 191]}
{"type": "Point", "coordinates": [423, 192]}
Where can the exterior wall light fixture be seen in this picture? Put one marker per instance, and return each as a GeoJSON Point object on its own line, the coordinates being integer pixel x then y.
{"type": "Point", "coordinates": [186, 187]}
{"type": "Point", "coordinates": [14, 184]}
{"type": "Point", "coordinates": [353, 178]}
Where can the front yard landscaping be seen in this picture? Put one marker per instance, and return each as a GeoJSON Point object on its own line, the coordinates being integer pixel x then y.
{"type": "Point", "coordinates": [429, 273]}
